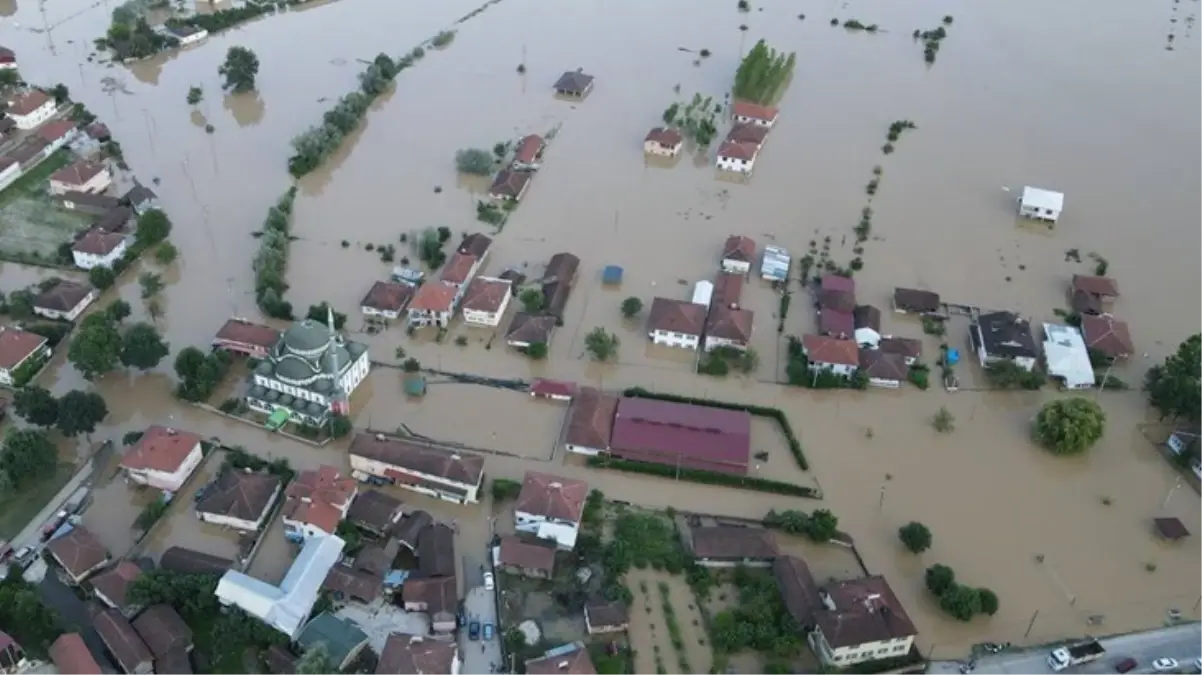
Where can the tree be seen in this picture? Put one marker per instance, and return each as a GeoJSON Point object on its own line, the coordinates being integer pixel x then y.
{"type": "Point", "coordinates": [32, 624]}
{"type": "Point", "coordinates": [117, 310]}
{"type": "Point", "coordinates": [153, 226]}
{"type": "Point", "coordinates": [80, 412]}
{"type": "Point", "coordinates": [314, 661]}
{"type": "Point", "coordinates": [96, 347]}
{"type": "Point", "coordinates": [340, 426]}
{"type": "Point", "coordinates": [601, 344]}
{"type": "Point", "coordinates": [915, 536]}
{"type": "Point", "coordinates": [9, 78]}
{"type": "Point", "coordinates": [27, 456]}
{"type": "Point", "coordinates": [504, 489]}
{"type": "Point", "coordinates": [944, 421]}
{"type": "Point", "coordinates": [474, 162]}
{"type": "Point", "coordinates": [822, 526]}
{"type": "Point", "coordinates": [239, 70]}
{"type": "Point", "coordinates": [988, 601]}
{"type": "Point", "coordinates": [762, 73]}
{"type": "Point", "coordinates": [939, 578]}
{"type": "Point", "coordinates": [199, 373]}
{"type": "Point", "coordinates": [36, 406]}
{"type": "Point", "coordinates": [191, 595]}
{"type": "Point", "coordinates": [321, 314]}
{"type": "Point", "coordinates": [20, 304]}
{"type": "Point", "coordinates": [195, 95]}
{"type": "Point", "coordinates": [101, 277]}
{"type": "Point", "coordinates": [151, 284]}
{"type": "Point", "coordinates": [154, 309]}
{"type": "Point", "coordinates": [1069, 426]}
{"type": "Point", "coordinates": [142, 347]}
{"type": "Point", "coordinates": [60, 93]}
{"type": "Point", "coordinates": [961, 602]}
{"type": "Point", "coordinates": [1174, 387]}
{"type": "Point", "coordinates": [165, 253]}
{"type": "Point", "coordinates": [537, 350]}
{"type": "Point", "coordinates": [532, 300]}
{"type": "Point", "coordinates": [631, 307]}
{"type": "Point", "coordinates": [350, 534]}
{"type": "Point", "coordinates": [411, 365]}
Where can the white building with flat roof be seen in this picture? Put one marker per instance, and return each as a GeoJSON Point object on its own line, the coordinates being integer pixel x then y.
{"type": "Point", "coordinates": [1067, 356]}
{"type": "Point", "coordinates": [1040, 204]}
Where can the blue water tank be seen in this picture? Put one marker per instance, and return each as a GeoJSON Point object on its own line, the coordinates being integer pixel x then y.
{"type": "Point", "coordinates": [953, 356]}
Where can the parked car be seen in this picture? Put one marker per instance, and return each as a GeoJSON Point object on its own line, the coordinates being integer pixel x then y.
{"type": "Point", "coordinates": [53, 524]}
{"type": "Point", "coordinates": [488, 631]}
{"type": "Point", "coordinates": [1164, 665]}
{"type": "Point", "coordinates": [489, 582]}
{"type": "Point", "coordinates": [1125, 665]}
{"type": "Point", "coordinates": [473, 630]}
{"type": "Point", "coordinates": [23, 556]}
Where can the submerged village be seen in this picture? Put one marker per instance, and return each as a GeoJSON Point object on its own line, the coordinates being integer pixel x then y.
{"type": "Point", "coordinates": [525, 432]}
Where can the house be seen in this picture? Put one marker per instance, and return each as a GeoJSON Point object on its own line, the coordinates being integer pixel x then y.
{"type": "Point", "coordinates": [590, 422]}
{"type": "Point", "coordinates": [1107, 336]}
{"type": "Point", "coordinates": [343, 639]}
{"type": "Point", "coordinates": [868, 325]}
{"type": "Point", "coordinates": [64, 301]}
{"type": "Point", "coordinates": [860, 620]}
{"type": "Point", "coordinates": [70, 654]}
{"type": "Point", "coordinates": [123, 642]}
{"type": "Point", "coordinates": [30, 108]}
{"type": "Point", "coordinates": [243, 337]}
{"type": "Point", "coordinates": [662, 141]}
{"type": "Point", "coordinates": [79, 553]}
{"type": "Point", "coordinates": [799, 591]}
{"type": "Point", "coordinates": [725, 327]}
{"type": "Point", "coordinates": [187, 561]}
{"type": "Point", "coordinates": [29, 153]}
{"type": "Point", "coordinates": [409, 530]}
{"type": "Point", "coordinates": [882, 368]}
{"type": "Point", "coordinates": [119, 219]}
{"type": "Point", "coordinates": [840, 357]}
{"type": "Point", "coordinates": [737, 156]}
{"type": "Point", "coordinates": [557, 390]}
{"type": "Point", "coordinates": [386, 300]}
{"type": "Point", "coordinates": [569, 659]}
{"type": "Point", "coordinates": [525, 557]}
{"type": "Point", "coordinates": [737, 254]}
{"type": "Point", "coordinates": [436, 551]}
{"type": "Point", "coordinates": [748, 133]}
{"type": "Point", "coordinates": [348, 584]}
{"type": "Point", "coordinates": [1103, 288]}
{"type": "Point", "coordinates": [433, 305]}
{"type": "Point", "coordinates": [914, 301]}
{"type": "Point", "coordinates": [418, 655]}
{"type": "Point", "coordinates": [528, 329]}
{"type": "Point", "coordinates": [239, 499]}
{"type": "Point", "coordinates": [604, 616]}
{"type": "Point", "coordinates": [1004, 336]}
{"type": "Point", "coordinates": [451, 476]}
{"type": "Point", "coordinates": [167, 636]}
{"type": "Point", "coordinates": [682, 435]}
{"type": "Point", "coordinates": [733, 546]}
{"type": "Point", "coordinates": [163, 458]}
{"type": "Point", "coordinates": [1040, 204]}
{"type": "Point", "coordinates": [510, 185]}
{"type": "Point", "coordinates": [550, 507]}
{"type": "Point", "coordinates": [676, 323]}
{"type": "Point", "coordinates": [836, 323]}
{"type": "Point", "coordinates": [316, 502]}
{"type": "Point", "coordinates": [529, 153]}
{"type": "Point", "coordinates": [557, 282]}
{"type": "Point", "coordinates": [907, 348]}
{"type": "Point", "coordinates": [375, 512]}
{"type": "Point", "coordinates": [377, 558]}
{"type": "Point", "coordinates": [22, 353]}
{"type": "Point", "coordinates": [10, 170]}
{"type": "Point", "coordinates": [775, 263]}
{"type": "Point", "coordinates": [475, 245]}
{"type": "Point", "coordinates": [485, 301]}
{"type": "Point", "coordinates": [82, 176]}
{"type": "Point", "coordinates": [839, 283]}
{"type": "Point", "coordinates": [728, 289]}
{"type": "Point", "coordinates": [1067, 357]}
{"type": "Point", "coordinates": [86, 202]}
{"type": "Point", "coordinates": [458, 271]}
{"type": "Point", "coordinates": [141, 199]}
{"type": "Point", "coordinates": [8, 59]}
{"type": "Point", "coordinates": [112, 585]}
{"type": "Point", "coordinates": [436, 597]}
{"type": "Point", "coordinates": [284, 607]}
{"type": "Point", "coordinates": [187, 35]}
{"type": "Point", "coordinates": [57, 134]}
{"type": "Point", "coordinates": [745, 112]}
{"type": "Point", "coordinates": [574, 84]}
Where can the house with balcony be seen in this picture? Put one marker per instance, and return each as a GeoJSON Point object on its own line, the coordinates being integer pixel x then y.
{"type": "Point", "coordinates": [97, 248]}
{"type": "Point", "coordinates": [447, 475]}
{"type": "Point", "coordinates": [163, 458]}
{"type": "Point", "coordinates": [485, 300]}
{"type": "Point", "coordinates": [550, 507]}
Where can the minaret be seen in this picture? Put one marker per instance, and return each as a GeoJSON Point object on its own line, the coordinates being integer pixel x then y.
{"type": "Point", "coordinates": [339, 404]}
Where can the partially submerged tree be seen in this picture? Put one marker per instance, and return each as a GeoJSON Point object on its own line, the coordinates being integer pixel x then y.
{"type": "Point", "coordinates": [631, 307]}
{"type": "Point", "coordinates": [1174, 387]}
{"type": "Point", "coordinates": [239, 70]}
{"type": "Point", "coordinates": [1069, 426]}
{"type": "Point", "coordinates": [601, 344]}
{"type": "Point", "coordinates": [36, 406]}
{"type": "Point", "coordinates": [96, 347]}
{"type": "Point", "coordinates": [762, 74]}
{"type": "Point", "coordinates": [142, 347]}
{"type": "Point", "coordinates": [474, 162]}
{"type": "Point", "coordinates": [915, 536]}
{"type": "Point", "coordinates": [80, 411]}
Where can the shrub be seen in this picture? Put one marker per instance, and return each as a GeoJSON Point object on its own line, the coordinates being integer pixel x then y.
{"type": "Point", "coordinates": [537, 350]}
{"type": "Point", "coordinates": [411, 365]}
{"type": "Point", "coordinates": [706, 477]}
{"type": "Point", "coordinates": [631, 307]}
{"type": "Point", "coordinates": [1069, 426]}
{"type": "Point", "coordinates": [961, 602]}
{"type": "Point", "coordinates": [944, 421]}
{"type": "Point", "coordinates": [988, 600]}
{"type": "Point", "coordinates": [504, 489]}
{"type": "Point", "coordinates": [474, 162]}
{"type": "Point", "coordinates": [915, 536]}
{"type": "Point", "coordinates": [939, 578]}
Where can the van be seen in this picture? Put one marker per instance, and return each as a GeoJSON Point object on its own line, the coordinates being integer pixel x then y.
{"type": "Point", "coordinates": [1125, 665]}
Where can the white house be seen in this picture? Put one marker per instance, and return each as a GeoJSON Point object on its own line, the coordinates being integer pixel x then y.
{"type": "Point", "coordinates": [1067, 356]}
{"type": "Point", "coordinates": [64, 301]}
{"type": "Point", "coordinates": [451, 476]}
{"type": "Point", "coordinates": [82, 176]}
{"type": "Point", "coordinates": [1004, 336]}
{"type": "Point", "coordinates": [163, 458]}
{"type": "Point", "coordinates": [316, 502]}
{"type": "Point", "coordinates": [187, 35]}
{"type": "Point", "coordinates": [30, 108]}
{"type": "Point", "coordinates": [485, 301]}
{"type": "Point", "coordinates": [737, 254]}
{"type": "Point", "coordinates": [744, 112]}
{"type": "Point", "coordinates": [841, 357]}
{"type": "Point", "coordinates": [663, 141]}
{"type": "Point", "coordinates": [590, 422]}
{"type": "Point", "coordinates": [676, 323]}
{"type": "Point", "coordinates": [239, 499]}
{"type": "Point", "coordinates": [20, 351]}
{"type": "Point", "coordinates": [1041, 204]}
{"type": "Point", "coordinates": [860, 620]}
{"type": "Point", "coordinates": [386, 300]}
{"type": "Point", "coordinates": [10, 170]}
{"type": "Point", "coordinates": [550, 507]}
{"type": "Point", "coordinates": [737, 156]}
{"type": "Point", "coordinates": [433, 304]}
{"type": "Point", "coordinates": [97, 248]}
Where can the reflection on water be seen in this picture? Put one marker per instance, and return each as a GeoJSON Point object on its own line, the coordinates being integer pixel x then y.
{"type": "Point", "coordinates": [247, 108]}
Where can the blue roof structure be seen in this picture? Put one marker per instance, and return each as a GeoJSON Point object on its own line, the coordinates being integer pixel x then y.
{"type": "Point", "coordinates": [611, 275]}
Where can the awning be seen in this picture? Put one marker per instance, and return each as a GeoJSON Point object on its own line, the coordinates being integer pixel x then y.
{"type": "Point", "coordinates": [278, 419]}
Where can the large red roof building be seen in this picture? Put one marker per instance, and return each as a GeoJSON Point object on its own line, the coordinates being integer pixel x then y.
{"type": "Point", "coordinates": [684, 435]}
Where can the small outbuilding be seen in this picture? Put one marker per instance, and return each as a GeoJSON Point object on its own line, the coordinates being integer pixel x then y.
{"type": "Point", "coordinates": [1040, 204]}
{"type": "Point", "coordinates": [558, 390]}
{"type": "Point", "coordinates": [1170, 529]}
{"type": "Point", "coordinates": [611, 275]}
{"type": "Point", "coordinates": [574, 84]}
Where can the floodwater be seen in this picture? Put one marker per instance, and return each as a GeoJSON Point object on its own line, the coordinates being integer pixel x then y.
{"type": "Point", "coordinates": [1086, 101]}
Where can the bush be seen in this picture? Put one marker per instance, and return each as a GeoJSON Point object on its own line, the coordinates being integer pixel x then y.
{"type": "Point", "coordinates": [1069, 426]}
{"type": "Point", "coordinates": [706, 477]}
{"type": "Point", "coordinates": [411, 365]}
{"type": "Point", "coordinates": [961, 602]}
{"type": "Point", "coordinates": [271, 262]}
{"type": "Point", "coordinates": [504, 489]}
{"type": "Point", "coordinates": [537, 351]}
{"type": "Point", "coordinates": [631, 307]}
{"type": "Point", "coordinates": [915, 536]}
{"type": "Point", "coordinates": [988, 601]}
{"type": "Point", "coordinates": [939, 578]}
{"type": "Point", "coordinates": [1009, 375]}
{"type": "Point", "coordinates": [944, 421]}
{"type": "Point", "coordinates": [474, 162]}
{"type": "Point", "coordinates": [820, 526]}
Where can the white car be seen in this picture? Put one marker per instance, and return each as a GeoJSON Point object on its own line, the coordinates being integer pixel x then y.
{"type": "Point", "coordinates": [489, 583]}
{"type": "Point", "coordinates": [1164, 665]}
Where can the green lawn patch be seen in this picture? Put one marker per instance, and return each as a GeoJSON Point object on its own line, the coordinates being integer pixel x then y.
{"type": "Point", "coordinates": [18, 508]}
{"type": "Point", "coordinates": [34, 181]}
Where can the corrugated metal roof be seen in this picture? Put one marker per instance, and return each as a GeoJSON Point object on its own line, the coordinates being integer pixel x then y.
{"type": "Point", "coordinates": [775, 264]}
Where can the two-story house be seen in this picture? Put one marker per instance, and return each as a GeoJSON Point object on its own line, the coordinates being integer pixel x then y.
{"type": "Point", "coordinates": [745, 112]}
{"type": "Point", "coordinates": [841, 357]}
{"type": "Point", "coordinates": [485, 301]}
{"type": "Point", "coordinates": [64, 301]}
{"type": "Point", "coordinates": [737, 156]}
{"type": "Point", "coordinates": [316, 502]}
{"type": "Point", "coordinates": [550, 507]}
{"type": "Point", "coordinates": [432, 305]}
{"type": "Point", "coordinates": [448, 475]}
{"type": "Point", "coordinates": [21, 355]}
{"type": "Point", "coordinates": [676, 323]}
{"type": "Point", "coordinates": [97, 248]}
{"type": "Point", "coordinates": [239, 499]}
{"type": "Point", "coordinates": [29, 109]}
{"type": "Point", "coordinates": [82, 176]}
{"type": "Point", "coordinates": [163, 458]}
{"type": "Point", "coordinates": [57, 134]}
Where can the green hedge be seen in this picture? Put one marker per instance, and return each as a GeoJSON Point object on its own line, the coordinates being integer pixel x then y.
{"type": "Point", "coordinates": [759, 411]}
{"type": "Point", "coordinates": [707, 477]}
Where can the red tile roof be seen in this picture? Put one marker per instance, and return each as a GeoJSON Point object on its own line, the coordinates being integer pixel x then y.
{"type": "Point", "coordinates": [590, 421]}
{"type": "Point", "coordinates": [458, 268]}
{"type": "Point", "coordinates": [528, 149]}
{"type": "Point", "coordinates": [730, 324]}
{"type": "Point", "coordinates": [78, 173]}
{"type": "Point", "coordinates": [123, 641]}
{"type": "Point", "coordinates": [738, 248]}
{"type": "Point", "coordinates": [552, 497]}
{"type": "Point", "coordinates": [866, 610]}
{"type": "Point", "coordinates": [907, 347]}
{"type": "Point", "coordinates": [835, 282]}
{"type": "Point", "coordinates": [738, 150]}
{"type": "Point", "coordinates": [1102, 286]}
{"type": "Point", "coordinates": [387, 296]}
{"type": "Point", "coordinates": [114, 583]}
{"type": "Point", "coordinates": [1107, 335]}
{"type": "Point", "coordinates": [754, 111]}
{"type": "Point", "coordinates": [247, 333]}
{"type": "Point", "coordinates": [486, 294]}
{"type": "Point", "coordinates": [836, 324]}
{"type": "Point", "coordinates": [510, 184]}
{"type": "Point", "coordinates": [727, 290]}
{"type": "Point", "coordinates": [748, 133]}
{"type": "Point", "coordinates": [545, 387]}
{"type": "Point", "coordinates": [668, 138]}
{"type": "Point", "coordinates": [71, 655]}
{"type": "Point", "coordinates": [821, 350]}
{"type": "Point", "coordinates": [880, 365]}
{"type": "Point", "coordinates": [711, 435]}
{"type": "Point", "coordinates": [416, 655]}
{"type": "Point", "coordinates": [319, 497]}
{"type": "Point", "coordinates": [52, 131]}
{"type": "Point", "coordinates": [23, 104]}
{"type": "Point", "coordinates": [16, 345]}
{"type": "Point", "coordinates": [676, 316]}
{"type": "Point", "coordinates": [433, 296]}
{"type": "Point", "coordinates": [160, 449]}
{"type": "Point", "coordinates": [98, 242]}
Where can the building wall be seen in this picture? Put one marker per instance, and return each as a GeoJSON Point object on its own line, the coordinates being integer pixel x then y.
{"type": "Point", "coordinates": [716, 563]}
{"type": "Point", "coordinates": [735, 165]}
{"type": "Point", "coordinates": [655, 148]}
{"type": "Point", "coordinates": [168, 481]}
{"type": "Point", "coordinates": [712, 343]}
{"type": "Point", "coordinates": [869, 651]}
{"type": "Point", "coordinates": [669, 339]}
{"type": "Point", "coordinates": [12, 173]}
{"type": "Point", "coordinates": [377, 468]}
{"type": "Point", "coordinates": [836, 368]}
{"type": "Point", "coordinates": [98, 183]}
{"type": "Point", "coordinates": [54, 146]}
{"type": "Point", "coordinates": [584, 450]}
{"type": "Point", "coordinates": [419, 317]}
{"type": "Point", "coordinates": [88, 261]}
{"type": "Point", "coordinates": [193, 38]}
{"type": "Point", "coordinates": [735, 266]}
{"type": "Point", "coordinates": [355, 375]}
{"type": "Point", "coordinates": [383, 314]}
{"type": "Point", "coordinates": [684, 462]}
{"type": "Point", "coordinates": [487, 318]}
{"type": "Point", "coordinates": [887, 384]}
{"type": "Point", "coordinates": [743, 119]}
{"type": "Point", "coordinates": [70, 315]}
{"type": "Point", "coordinates": [33, 119]}
{"type": "Point", "coordinates": [1037, 213]}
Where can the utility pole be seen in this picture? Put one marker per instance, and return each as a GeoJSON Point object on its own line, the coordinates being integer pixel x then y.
{"type": "Point", "coordinates": [1031, 624]}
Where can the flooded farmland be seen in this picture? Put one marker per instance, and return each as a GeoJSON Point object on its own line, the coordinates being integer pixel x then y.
{"type": "Point", "coordinates": [1087, 102]}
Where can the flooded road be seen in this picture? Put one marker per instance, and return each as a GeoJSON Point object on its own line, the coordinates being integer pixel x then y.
{"type": "Point", "coordinates": [1087, 102]}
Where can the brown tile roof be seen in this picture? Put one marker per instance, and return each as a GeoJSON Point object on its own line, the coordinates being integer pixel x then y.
{"type": "Point", "coordinates": [63, 296]}
{"type": "Point", "coordinates": [798, 590]}
{"type": "Point", "coordinates": [867, 316]}
{"type": "Point", "coordinates": [728, 288]}
{"type": "Point", "coordinates": [54, 130]}
{"type": "Point", "coordinates": [727, 542]}
{"type": "Point", "coordinates": [530, 328]}
{"type": "Point", "coordinates": [475, 244]}
{"type": "Point", "coordinates": [738, 150]}
{"type": "Point", "coordinates": [78, 173]}
{"type": "Point", "coordinates": [416, 655]}
{"type": "Point", "coordinates": [377, 558]}
{"type": "Point", "coordinates": [23, 104]}
{"type": "Point", "coordinates": [557, 282]}
{"type": "Point", "coordinates": [676, 316]}
{"type": "Point", "coordinates": [748, 133]}
{"type": "Point", "coordinates": [668, 138]}
{"type": "Point", "coordinates": [841, 301]}
{"type": "Point", "coordinates": [188, 561]}
{"type": "Point", "coordinates": [553, 497]}
{"type": "Point", "coordinates": [1107, 335]}
{"type": "Point", "coordinates": [838, 282]}
{"type": "Point", "coordinates": [544, 387]}
{"type": "Point", "coordinates": [16, 345]}
{"type": "Point", "coordinates": [527, 554]}
{"type": "Point", "coordinates": [914, 300]}
{"type": "Point", "coordinates": [438, 594]}
{"type": "Point", "coordinates": [510, 183]}
{"type": "Point", "coordinates": [98, 242]}
{"type": "Point", "coordinates": [387, 296]}
{"type": "Point", "coordinates": [78, 551]}
{"type": "Point", "coordinates": [318, 496]}
{"type": "Point", "coordinates": [458, 268]}
{"type": "Point", "coordinates": [601, 612]}
{"type": "Point", "coordinates": [528, 149]}
{"type": "Point", "coordinates": [348, 583]}
{"type": "Point", "coordinates": [730, 324]}
{"type": "Point", "coordinates": [375, 510]}
{"type": "Point", "coordinates": [591, 419]}
{"type": "Point", "coordinates": [1086, 303]}
{"type": "Point", "coordinates": [754, 110]}
{"type": "Point", "coordinates": [738, 247]}
{"type": "Point", "coordinates": [459, 467]}
{"type": "Point", "coordinates": [115, 219]}
{"type": "Point", "coordinates": [245, 332]}
{"type": "Point", "coordinates": [866, 610]}
{"type": "Point", "coordinates": [572, 663]}
{"type": "Point", "coordinates": [71, 655]}
{"type": "Point", "coordinates": [433, 296]}
{"type": "Point", "coordinates": [1100, 286]}
{"type": "Point", "coordinates": [91, 199]}
{"type": "Point", "coordinates": [114, 582]}
{"type": "Point", "coordinates": [408, 531]}
{"type": "Point", "coordinates": [906, 347]}
{"type": "Point", "coordinates": [820, 349]}
{"type": "Point", "coordinates": [436, 551]}
{"type": "Point", "coordinates": [835, 323]}
{"type": "Point", "coordinates": [160, 449]}
{"type": "Point", "coordinates": [239, 494]}
{"type": "Point", "coordinates": [883, 365]}
{"type": "Point", "coordinates": [163, 630]}
{"type": "Point", "coordinates": [123, 641]}
{"type": "Point", "coordinates": [321, 515]}
{"type": "Point", "coordinates": [486, 294]}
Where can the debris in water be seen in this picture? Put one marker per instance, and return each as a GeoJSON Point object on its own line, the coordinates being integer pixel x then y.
{"type": "Point", "coordinates": [437, 189]}
{"type": "Point", "coordinates": [1072, 255]}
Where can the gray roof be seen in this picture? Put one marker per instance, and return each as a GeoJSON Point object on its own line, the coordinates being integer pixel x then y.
{"type": "Point", "coordinates": [574, 81]}
{"type": "Point", "coordinates": [306, 336]}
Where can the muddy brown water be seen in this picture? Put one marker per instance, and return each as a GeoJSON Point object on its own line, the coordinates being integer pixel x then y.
{"type": "Point", "coordinates": [1085, 101]}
